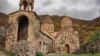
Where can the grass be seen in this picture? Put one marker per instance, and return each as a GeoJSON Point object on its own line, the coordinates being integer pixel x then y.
{"type": "Point", "coordinates": [90, 54]}
{"type": "Point", "coordinates": [10, 54]}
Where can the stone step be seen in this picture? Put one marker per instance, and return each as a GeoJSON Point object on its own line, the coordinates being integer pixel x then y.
{"type": "Point", "coordinates": [2, 53]}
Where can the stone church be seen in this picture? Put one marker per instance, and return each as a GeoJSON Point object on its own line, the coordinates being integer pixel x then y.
{"type": "Point", "coordinates": [28, 33]}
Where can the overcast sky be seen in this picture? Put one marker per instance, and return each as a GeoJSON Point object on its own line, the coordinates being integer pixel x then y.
{"type": "Point", "coordinates": [82, 9]}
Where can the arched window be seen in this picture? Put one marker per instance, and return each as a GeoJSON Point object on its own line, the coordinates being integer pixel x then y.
{"type": "Point", "coordinates": [67, 48]}
{"type": "Point", "coordinates": [44, 43]}
{"type": "Point", "coordinates": [40, 42]}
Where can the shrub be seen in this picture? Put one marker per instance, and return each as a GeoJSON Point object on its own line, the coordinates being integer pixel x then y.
{"type": "Point", "coordinates": [39, 53]}
{"type": "Point", "coordinates": [10, 54]}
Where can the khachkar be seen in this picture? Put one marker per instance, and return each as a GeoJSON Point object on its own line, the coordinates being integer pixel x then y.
{"type": "Point", "coordinates": [22, 25]}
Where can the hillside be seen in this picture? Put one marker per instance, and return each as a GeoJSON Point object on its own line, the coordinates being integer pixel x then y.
{"type": "Point", "coordinates": [87, 29]}
{"type": "Point", "coordinates": [3, 19]}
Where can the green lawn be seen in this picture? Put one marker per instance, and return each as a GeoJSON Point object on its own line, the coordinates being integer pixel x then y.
{"type": "Point", "coordinates": [97, 54]}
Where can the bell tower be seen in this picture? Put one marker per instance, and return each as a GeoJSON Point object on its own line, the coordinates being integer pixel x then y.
{"type": "Point", "coordinates": [22, 25]}
{"type": "Point", "coordinates": [27, 5]}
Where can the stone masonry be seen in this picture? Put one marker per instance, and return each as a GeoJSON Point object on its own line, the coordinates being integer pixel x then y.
{"type": "Point", "coordinates": [34, 38]}
{"type": "Point", "coordinates": [27, 34]}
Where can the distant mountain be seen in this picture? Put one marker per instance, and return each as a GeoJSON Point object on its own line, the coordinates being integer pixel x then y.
{"type": "Point", "coordinates": [96, 21]}
{"type": "Point", "coordinates": [3, 19]}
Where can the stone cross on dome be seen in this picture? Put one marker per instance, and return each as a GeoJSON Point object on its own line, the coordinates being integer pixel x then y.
{"type": "Point", "coordinates": [27, 5]}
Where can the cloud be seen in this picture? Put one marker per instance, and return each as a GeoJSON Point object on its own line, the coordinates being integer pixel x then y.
{"type": "Point", "coordinates": [7, 7]}
{"type": "Point", "coordinates": [86, 15]}
{"type": "Point", "coordinates": [87, 9]}
{"type": "Point", "coordinates": [3, 5]}
{"type": "Point", "coordinates": [47, 2]}
{"type": "Point", "coordinates": [82, 9]}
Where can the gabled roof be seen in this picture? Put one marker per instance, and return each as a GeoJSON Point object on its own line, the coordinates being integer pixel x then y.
{"type": "Point", "coordinates": [23, 11]}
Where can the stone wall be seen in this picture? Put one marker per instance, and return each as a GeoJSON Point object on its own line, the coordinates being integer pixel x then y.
{"type": "Point", "coordinates": [66, 38]}
{"type": "Point", "coordinates": [23, 49]}
{"type": "Point", "coordinates": [35, 41]}
{"type": "Point", "coordinates": [44, 43]}
{"type": "Point", "coordinates": [2, 37]}
{"type": "Point", "coordinates": [12, 29]}
{"type": "Point", "coordinates": [10, 36]}
{"type": "Point", "coordinates": [47, 27]}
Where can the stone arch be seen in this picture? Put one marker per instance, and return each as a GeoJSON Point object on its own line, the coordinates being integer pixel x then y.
{"type": "Point", "coordinates": [67, 48]}
{"type": "Point", "coordinates": [23, 23]}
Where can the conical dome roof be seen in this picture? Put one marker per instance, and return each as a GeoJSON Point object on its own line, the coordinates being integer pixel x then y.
{"type": "Point", "coordinates": [47, 19]}
{"type": "Point", "coordinates": [67, 20]}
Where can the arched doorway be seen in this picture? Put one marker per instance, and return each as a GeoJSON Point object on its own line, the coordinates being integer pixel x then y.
{"type": "Point", "coordinates": [22, 28]}
{"type": "Point", "coordinates": [67, 49]}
